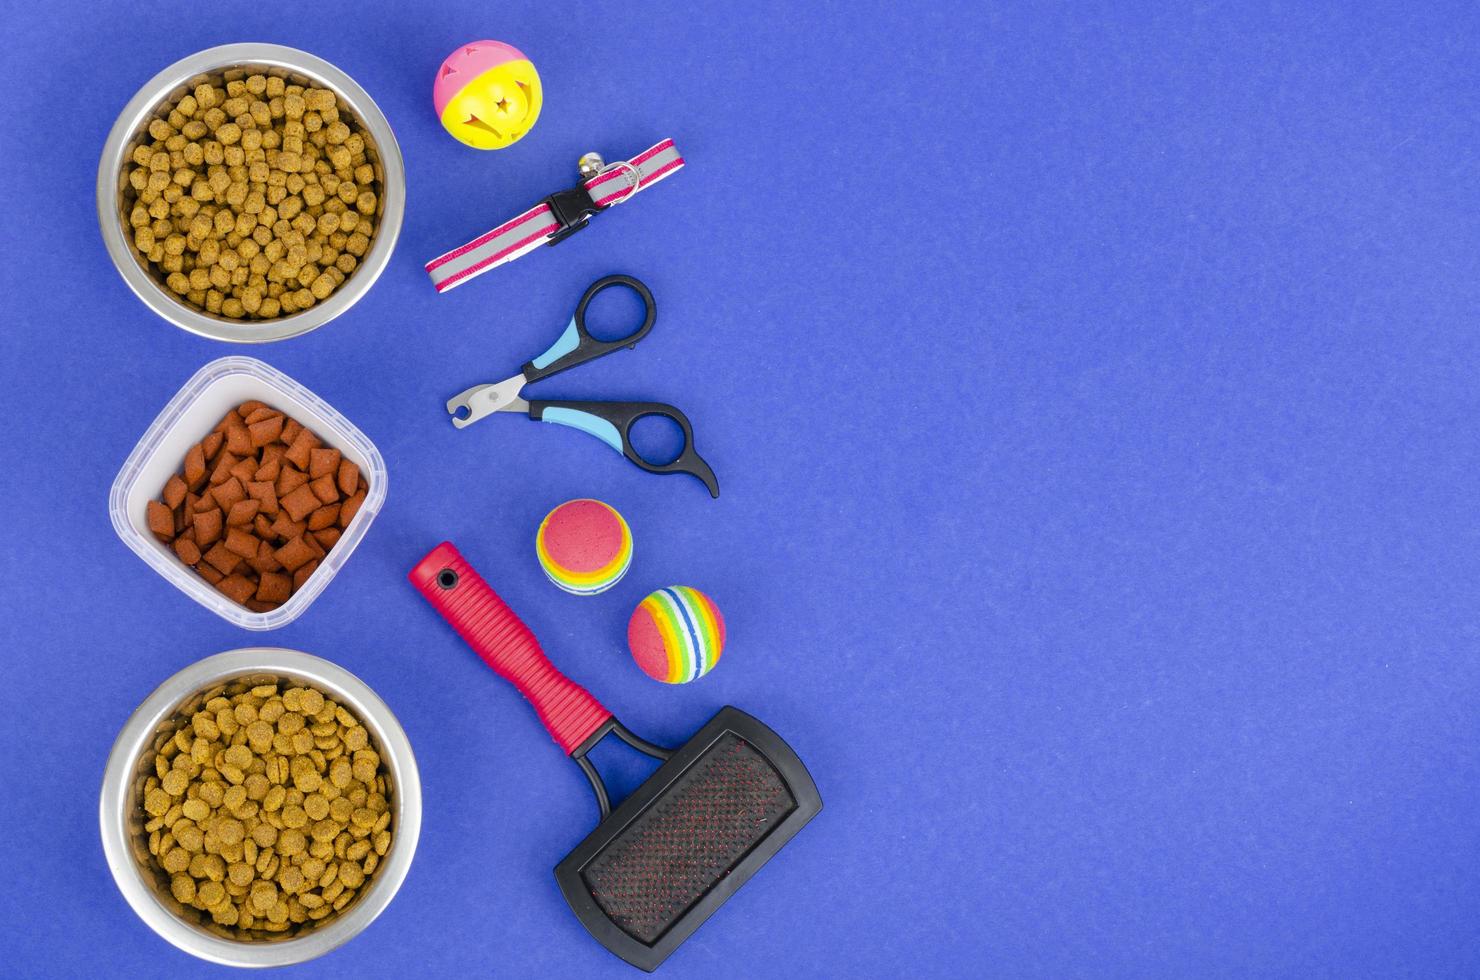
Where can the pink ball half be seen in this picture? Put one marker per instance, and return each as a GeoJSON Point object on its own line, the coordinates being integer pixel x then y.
{"type": "Point", "coordinates": [466, 64]}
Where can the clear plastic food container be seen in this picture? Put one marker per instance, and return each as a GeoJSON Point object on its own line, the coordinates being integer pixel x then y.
{"type": "Point", "coordinates": [189, 417]}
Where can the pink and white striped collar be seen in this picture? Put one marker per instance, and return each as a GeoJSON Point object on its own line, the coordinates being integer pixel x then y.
{"type": "Point", "coordinates": [545, 222]}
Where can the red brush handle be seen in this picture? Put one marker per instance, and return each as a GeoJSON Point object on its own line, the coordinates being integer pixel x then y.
{"type": "Point", "coordinates": [506, 644]}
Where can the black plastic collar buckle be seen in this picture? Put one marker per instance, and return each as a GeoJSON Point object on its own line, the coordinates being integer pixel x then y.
{"type": "Point", "coordinates": [573, 209]}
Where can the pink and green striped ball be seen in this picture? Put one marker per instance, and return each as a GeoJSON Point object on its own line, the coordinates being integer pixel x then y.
{"type": "Point", "coordinates": [676, 634]}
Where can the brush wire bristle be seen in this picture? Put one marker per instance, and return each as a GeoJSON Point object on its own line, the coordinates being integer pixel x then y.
{"type": "Point", "coordinates": [688, 839]}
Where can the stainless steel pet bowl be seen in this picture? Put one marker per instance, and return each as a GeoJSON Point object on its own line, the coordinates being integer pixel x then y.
{"type": "Point", "coordinates": [131, 762]}
{"type": "Point", "coordinates": [115, 195]}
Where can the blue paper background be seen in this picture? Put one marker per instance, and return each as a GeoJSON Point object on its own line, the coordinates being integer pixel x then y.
{"type": "Point", "coordinates": [1092, 391]}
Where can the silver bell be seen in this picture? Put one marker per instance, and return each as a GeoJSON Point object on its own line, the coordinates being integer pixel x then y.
{"type": "Point", "coordinates": [591, 164]}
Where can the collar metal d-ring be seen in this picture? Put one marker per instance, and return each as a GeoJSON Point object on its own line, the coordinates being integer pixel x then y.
{"type": "Point", "coordinates": [636, 179]}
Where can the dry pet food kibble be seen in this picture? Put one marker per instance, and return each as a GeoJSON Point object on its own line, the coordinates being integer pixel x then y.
{"type": "Point", "coordinates": [253, 198]}
{"type": "Point", "coordinates": [268, 810]}
{"type": "Point", "coordinates": [257, 505]}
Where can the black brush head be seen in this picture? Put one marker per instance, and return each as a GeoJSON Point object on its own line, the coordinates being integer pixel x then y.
{"type": "Point", "coordinates": [687, 838]}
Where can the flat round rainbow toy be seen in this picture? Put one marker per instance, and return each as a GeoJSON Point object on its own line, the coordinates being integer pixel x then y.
{"type": "Point", "coordinates": [676, 634]}
{"type": "Point", "coordinates": [487, 94]}
{"type": "Point", "coordinates": [585, 546]}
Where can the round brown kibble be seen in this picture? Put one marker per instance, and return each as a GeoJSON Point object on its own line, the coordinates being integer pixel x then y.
{"type": "Point", "coordinates": [264, 896]}
{"type": "Point", "coordinates": [340, 810]}
{"type": "Point", "coordinates": [174, 782]}
{"type": "Point", "coordinates": [176, 860]}
{"type": "Point", "coordinates": [196, 810]}
{"type": "Point", "coordinates": [291, 842]}
{"type": "Point", "coordinates": [316, 806]}
{"type": "Point", "coordinates": [211, 893]}
{"type": "Point", "coordinates": [188, 835]}
{"type": "Point", "coordinates": [291, 880]}
{"type": "Point", "coordinates": [156, 802]}
{"type": "Point", "coordinates": [183, 888]}
{"type": "Point", "coordinates": [230, 832]}
{"type": "Point", "coordinates": [259, 735]}
{"type": "Point", "coordinates": [351, 874]}
{"type": "Point", "coordinates": [264, 834]}
{"type": "Point", "coordinates": [340, 771]}
{"type": "Point", "coordinates": [234, 797]}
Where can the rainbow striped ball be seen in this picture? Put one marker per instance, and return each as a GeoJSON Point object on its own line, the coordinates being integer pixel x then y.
{"type": "Point", "coordinates": [585, 546]}
{"type": "Point", "coordinates": [676, 634]}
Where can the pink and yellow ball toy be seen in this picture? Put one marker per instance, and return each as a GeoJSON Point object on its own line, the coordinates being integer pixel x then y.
{"type": "Point", "coordinates": [487, 94]}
